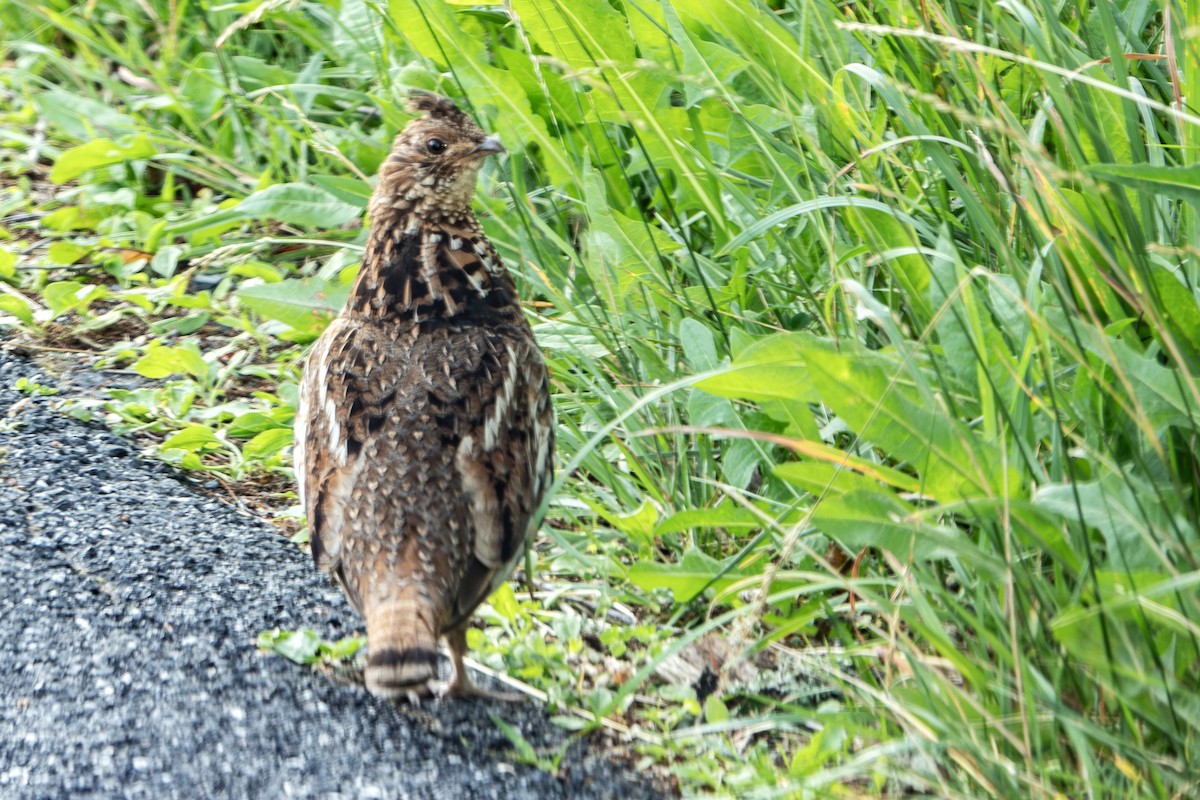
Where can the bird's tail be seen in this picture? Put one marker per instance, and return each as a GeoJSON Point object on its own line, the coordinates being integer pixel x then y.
{"type": "Point", "coordinates": [402, 644]}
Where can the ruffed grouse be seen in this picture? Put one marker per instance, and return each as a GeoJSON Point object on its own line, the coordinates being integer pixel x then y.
{"type": "Point", "coordinates": [424, 437]}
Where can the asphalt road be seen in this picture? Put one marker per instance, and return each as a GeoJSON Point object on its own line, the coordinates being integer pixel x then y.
{"type": "Point", "coordinates": [129, 608]}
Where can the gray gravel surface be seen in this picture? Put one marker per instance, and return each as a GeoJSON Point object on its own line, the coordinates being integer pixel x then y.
{"type": "Point", "coordinates": [129, 607]}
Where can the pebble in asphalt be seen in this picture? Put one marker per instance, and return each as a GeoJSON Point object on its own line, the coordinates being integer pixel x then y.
{"type": "Point", "coordinates": [129, 607]}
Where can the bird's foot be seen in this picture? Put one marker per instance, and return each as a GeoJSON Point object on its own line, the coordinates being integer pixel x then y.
{"type": "Point", "coordinates": [460, 684]}
{"type": "Point", "coordinates": [464, 688]}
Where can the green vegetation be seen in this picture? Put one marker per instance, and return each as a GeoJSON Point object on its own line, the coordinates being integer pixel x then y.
{"type": "Point", "coordinates": [873, 326]}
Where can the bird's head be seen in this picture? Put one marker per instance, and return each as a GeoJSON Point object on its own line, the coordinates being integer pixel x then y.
{"type": "Point", "coordinates": [434, 162]}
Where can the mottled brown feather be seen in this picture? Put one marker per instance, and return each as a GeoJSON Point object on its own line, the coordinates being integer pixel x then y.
{"type": "Point", "coordinates": [424, 437]}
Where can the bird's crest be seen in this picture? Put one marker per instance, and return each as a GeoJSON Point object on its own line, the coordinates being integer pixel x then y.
{"type": "Point", "coordinates": [438, 107]}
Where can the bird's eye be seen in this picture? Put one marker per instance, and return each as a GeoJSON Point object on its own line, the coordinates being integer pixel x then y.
{"type": "Point", "coordinates": [435, 146]}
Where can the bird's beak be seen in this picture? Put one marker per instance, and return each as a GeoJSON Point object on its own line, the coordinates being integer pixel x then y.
{"type": "Point", "coordinates": [489, 145]}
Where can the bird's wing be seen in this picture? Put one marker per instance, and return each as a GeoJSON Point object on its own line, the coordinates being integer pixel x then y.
{"type": "Point", "coordinates": [506, 436]}
{"type": "Point", "coordinates": [349, 384]}
{"type": "Point", "coordinates": [505, 454]}
{"type": "Point", "coordinates": [504, 459]}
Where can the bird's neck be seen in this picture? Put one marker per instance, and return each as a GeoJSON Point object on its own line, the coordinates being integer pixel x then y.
{"type": "Point", "coordinates": [418, 269]}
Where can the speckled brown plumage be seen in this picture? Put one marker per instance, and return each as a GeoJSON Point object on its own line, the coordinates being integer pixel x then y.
{"type": "Point", "coordinates": [424, 437]}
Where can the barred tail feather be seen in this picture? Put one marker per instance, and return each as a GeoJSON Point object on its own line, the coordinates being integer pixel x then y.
{"type": "Point", "coordinates": [402, 647]}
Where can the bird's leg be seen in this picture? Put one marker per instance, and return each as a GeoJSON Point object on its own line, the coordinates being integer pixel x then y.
{"type": "Point", "coordinates": [460, 683]}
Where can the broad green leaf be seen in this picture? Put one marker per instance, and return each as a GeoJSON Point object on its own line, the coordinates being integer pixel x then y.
{"type": "Point", "coordinates": [1178, 306]}
{"type": "Point", "coordinates": [819, 478]}
{"type": "Point", "coordinates": [712, 65]}
{"type": "Point", "coordinates": [356, 37]}
{"type": "Point", "coordinates": [698, 346]}
{"type": "Point", "coordinates": [1126, 592]}
{"type": "Point", "coordinates": [64, 296]}
{"type": "Point", "coordinates": [17, 307]}
{"type": "Point", "coordinates": [1079, 241]}
{"type": "Point", "coordinates": [160, 362]}
{"type": "Point", "coordinates": [685, 579]}
{"type": "Point", "coordinates": [956, 332]}
{"type": "Point", "coordinates": [202, 88]}
{"type": "Point", "coordinates": [711, 411]}
{"type": "Point", "coordinates": [876, 398]}
{"type": "Point", "coordinates": [166, 260]}
{"type": "Point", "coordinates": [298, 204]}
{"type": "Point", "coordinates": [202, 300]}
{"type": "Point", "coordinates": [624, 254]}
{"type": "Point", "coordinates": [1131, 604]}
{"type": "Point", "coordinates": [739, 455]}
{"type": "Point", "coordinates": [727, 516]}
{"type": "Point", "coordinates": [248, 425]}
{"type": "Point", "coordinates": [64, 252]}
{"type": "Point", "coordinates": [648, 29]}
{"type": "Point", "coordinates": [72, 218]}
{"type": "Point", "coordinates": [1109, 112]}
{"type": "Point", "coordinates": [771, 369]}
{"type": "Point", "coordinates": [638, 523]}
{"type": "Point", "coordinates": [432, 29]}
{"type": "Point", "coordinates": [740, 458]}
{"type": "Point", "coordinates": [61, 296]}
{"type": "Point", "coordinates": [796, 415]}
{"type": "Point", "coordinates": [1163, 395]}
{"type": "Point", "coordinates": [32, 388]}
{"type": "Point", "coordinates": [304, 305]}
{"type": "Point", "coordinates": [888, 234]}
{"type": "Point", "coordinates": [81, 117]}
{"type": "Point", "coordinates": [757, 31]}
{"type": "Point", "coordinates": [504, 602]}
{"type": "Point", "coordinates": [876, 518]}
{"type": "Point", "coordinates": [524, 752]}
{"type": "Point", "coordinates": [715, 710]}
{"type": "Point", "coordinates": [192, 438]}
{"type": "Point", "coordinates": [268, 443]}
{"type": "Point", "coordinates": [840, 459]}
{"type": "Point", "coordinates": [343, 649]}
{"type": "Point", "coordinates": [580, 34]}
{"type": "Point", "coordinates": [1112, 507]}
{"type": "Point", "coordinates": [100, 153]}
{"type": "Point", "coordinates": [351, 191]}
{"type": "Point", "coordinates": [268, 273]}
{"type": "Point", "coordinates": [300, 646]}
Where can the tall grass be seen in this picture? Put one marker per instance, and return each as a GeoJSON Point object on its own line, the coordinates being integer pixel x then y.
{"type": "Point", "coordinates": [874, 334]}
